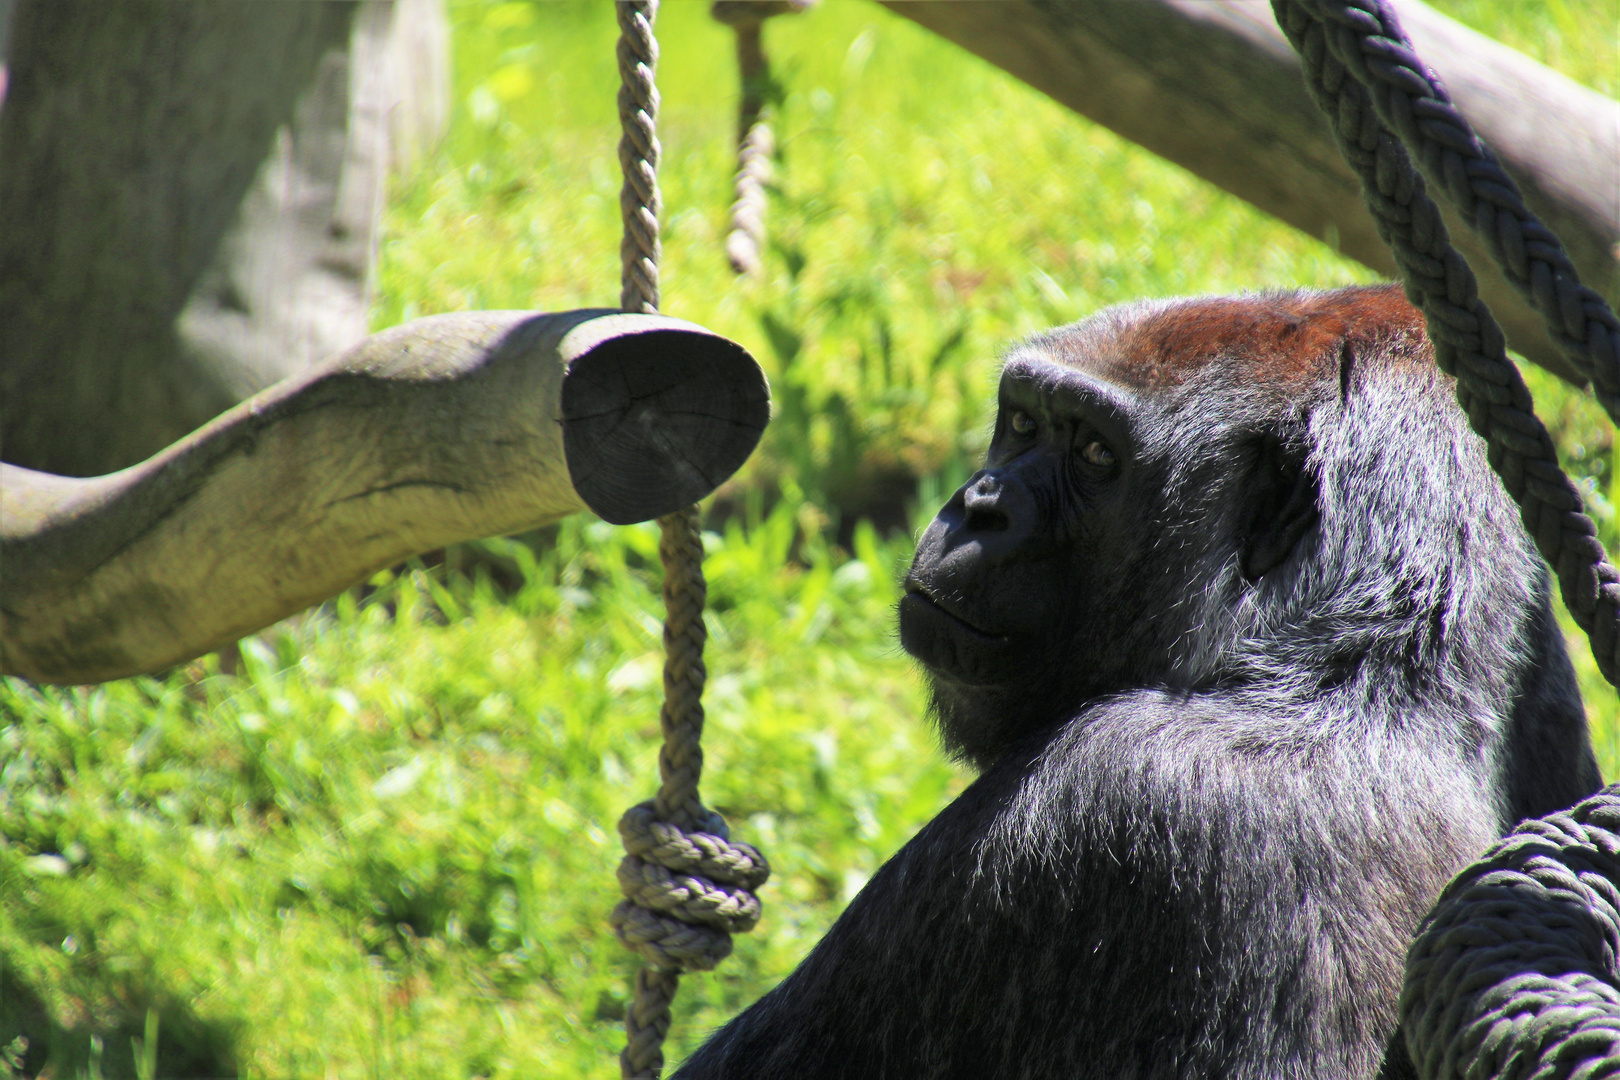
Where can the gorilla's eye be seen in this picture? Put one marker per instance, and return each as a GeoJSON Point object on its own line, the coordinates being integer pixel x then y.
{"type": "Point", "coordinates": [1022, 423]}
{"type": "Point", "coordinates": [1097, 454]}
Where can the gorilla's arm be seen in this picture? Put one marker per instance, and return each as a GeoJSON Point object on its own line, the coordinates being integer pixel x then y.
{"type": "Point", "coordinates": [1225, 891]}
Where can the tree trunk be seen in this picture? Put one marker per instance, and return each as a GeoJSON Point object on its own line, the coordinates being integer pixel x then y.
{"type": "Point", "coordinates": [129, 136]}
{"type": "Point", "coordinates": [189, 195]}
{"type": "Point", "coordinates": [1213, 86]}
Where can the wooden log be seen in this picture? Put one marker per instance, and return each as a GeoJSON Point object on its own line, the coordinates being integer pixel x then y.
{"type": "Point", "coordinates": [1213, 86]}
{"type": "Point", "coordinates": [446, 429]}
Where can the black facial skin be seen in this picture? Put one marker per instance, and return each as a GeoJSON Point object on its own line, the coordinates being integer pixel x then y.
{"type": "Point", "coordinates": [1048, 553]}
{"type": "Point", "coordinates": [994, 599]}
{"type": "Point", "coordinates": [1253, 654]}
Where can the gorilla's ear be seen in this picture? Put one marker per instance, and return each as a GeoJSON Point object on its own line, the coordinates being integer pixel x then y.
{"type": "Point", "coordinates": [1284, 501]}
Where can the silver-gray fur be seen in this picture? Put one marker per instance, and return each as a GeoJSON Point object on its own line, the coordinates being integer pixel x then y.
{"type": "Point", "coordinates": [1254, 655]}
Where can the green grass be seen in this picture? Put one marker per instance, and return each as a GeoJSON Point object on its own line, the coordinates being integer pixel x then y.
{"type": "Point", "coordinates": [385, 847]}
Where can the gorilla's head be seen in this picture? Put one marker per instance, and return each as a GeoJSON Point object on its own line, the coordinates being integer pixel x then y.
{"type": "Point", "coordinates": [1190, 493]}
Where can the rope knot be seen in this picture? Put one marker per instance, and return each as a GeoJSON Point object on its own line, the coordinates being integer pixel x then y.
{"type": "Point", "coordinates": [686, 891]}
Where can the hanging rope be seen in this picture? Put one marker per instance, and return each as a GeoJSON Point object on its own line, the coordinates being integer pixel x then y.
{"type": "Point", "coordinates": [756, 146]}
{"type": "Point", "coordinates": [639, 202]}
{"type": "Point", "coordinates": [1411, 100]}
{"type": "Point", "coordinates": [1363, 73]}
{"type": "Point", "coordinates": [687, 887]}
{"type": "Point", "coordinates": [1514, 973]}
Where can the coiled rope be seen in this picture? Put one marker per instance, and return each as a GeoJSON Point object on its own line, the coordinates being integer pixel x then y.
{"type": "Point", "coordinates": [1513, 975]}
{"type": "Point", "coordinates": [687, 886]}
{"type": "Point", "coordinates": [1364, 74]}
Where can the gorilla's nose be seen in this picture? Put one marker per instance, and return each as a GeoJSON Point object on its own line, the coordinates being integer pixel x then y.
{"type": "Point", "coordinates": [994, 510]}
{"type": "Point", "coordinates": [982, 505]}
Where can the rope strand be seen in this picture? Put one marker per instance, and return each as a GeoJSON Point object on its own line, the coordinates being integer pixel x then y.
{"type": "Point", "coordinates": [687, 886]}
{"type": "Point", "coordinates": [1468, 343]}
{"type": "Point", "coordinates": [756, 145]}
{"type": "Point", "coordinates": [1411, 100]}
{"type": "Point", "coordinates": [639, 202]}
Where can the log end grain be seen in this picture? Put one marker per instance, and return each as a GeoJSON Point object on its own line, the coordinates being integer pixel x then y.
{"type": "Point", "coordinates": [658, 417]}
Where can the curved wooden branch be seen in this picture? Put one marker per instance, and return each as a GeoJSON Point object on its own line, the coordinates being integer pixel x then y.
{"type": "Point", "coordinates": [446, 429]}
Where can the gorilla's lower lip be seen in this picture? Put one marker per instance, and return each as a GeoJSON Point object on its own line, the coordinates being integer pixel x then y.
{"type": "Point", "coordinates": [952, 648]}
{"type": "Point", "coordinates": [917, 593]}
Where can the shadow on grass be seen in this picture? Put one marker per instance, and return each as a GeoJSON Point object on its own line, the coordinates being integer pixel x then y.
{"type": "Point", "coordinates": [107, 1038]}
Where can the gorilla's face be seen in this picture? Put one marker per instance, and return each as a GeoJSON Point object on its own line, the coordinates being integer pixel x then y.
{"type": "Point", "coordinates": [1072, 565]}
{"type": "Point", "coordinates": [1015, 588]}
{"type": "Point", "coordinates": [1016, 562]}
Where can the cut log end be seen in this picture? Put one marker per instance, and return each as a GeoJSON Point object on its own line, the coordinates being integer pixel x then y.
{"type": "Point", "coordinates": [657, 419]}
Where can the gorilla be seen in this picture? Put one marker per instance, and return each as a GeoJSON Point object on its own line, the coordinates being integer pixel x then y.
{"type": "Point", "coordinates": [1252, 654]}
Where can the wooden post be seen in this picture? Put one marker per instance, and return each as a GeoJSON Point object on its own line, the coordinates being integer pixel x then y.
{"type": "Point", "coordinates": [1213, 86]}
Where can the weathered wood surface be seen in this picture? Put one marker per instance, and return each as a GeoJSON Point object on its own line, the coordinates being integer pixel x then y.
{"type": "Point", "coordinates": [1213, 86]}
{"type": "Point", "coordinates": [445, 429]}
{"type": "Point", "coordinates": [189, 200]}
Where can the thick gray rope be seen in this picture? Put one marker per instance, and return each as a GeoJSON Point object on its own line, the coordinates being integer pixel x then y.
{"type": "Point", "coordinates": [1468, 343]}
{"type": "Point", "coordinates": [687, 887]}
{"type": "Point", "coordinates": [1410, 99]}
{"type": "Point", "coordinates": [1513, 975]}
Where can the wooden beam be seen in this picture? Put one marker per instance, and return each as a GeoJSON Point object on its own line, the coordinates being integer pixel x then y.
{"type": "Point", "coordinates": [1213, 86]}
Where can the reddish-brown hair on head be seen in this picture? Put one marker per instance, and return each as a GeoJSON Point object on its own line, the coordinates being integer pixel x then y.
{"type": "Point", "coordinates": [1285, 340]}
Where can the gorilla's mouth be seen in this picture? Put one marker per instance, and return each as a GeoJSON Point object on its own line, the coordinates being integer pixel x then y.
{"type": "Point", "coordinates": [950, 646]}
{"type": "Point", "coordinates": [917, 594]}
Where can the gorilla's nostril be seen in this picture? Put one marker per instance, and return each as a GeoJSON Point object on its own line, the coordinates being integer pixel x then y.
{"type": "Point", "coordinates": [984, 512]}
{"type": "Point", "coordinates": [982, 501]}
{"type": "Point", "coordinates": [987, 518]}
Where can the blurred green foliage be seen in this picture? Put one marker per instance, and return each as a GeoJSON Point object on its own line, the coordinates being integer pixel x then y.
{"type": "Point", "coordinates": [384, 846]}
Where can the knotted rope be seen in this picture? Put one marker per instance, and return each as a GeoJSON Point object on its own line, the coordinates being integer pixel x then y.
{"type": "Point", "coordinates": [1513, 974]}
{"type": "Point", "coordinates": [687, 887]}
{"type": "Point", "coordinates": [1363, 73]}
{"type": "Point", "coordinates": [755, 144]}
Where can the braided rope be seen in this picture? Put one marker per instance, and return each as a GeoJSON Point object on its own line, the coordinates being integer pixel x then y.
{"type": "Point", "coordinates": [639, 201]}
{"type": "Point", "coordinates": [1468, 343]}
{"type": "Point", "coordinates": [755, 143]}
{"type": "Point", "coordinates": [687, 886]}
{"type": "Point", "coordinates": [756, 146]}
{"type": "Point", "coordinates": [1514, 974]}
{"type": "Point", "coordinates": [1411, 100]}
